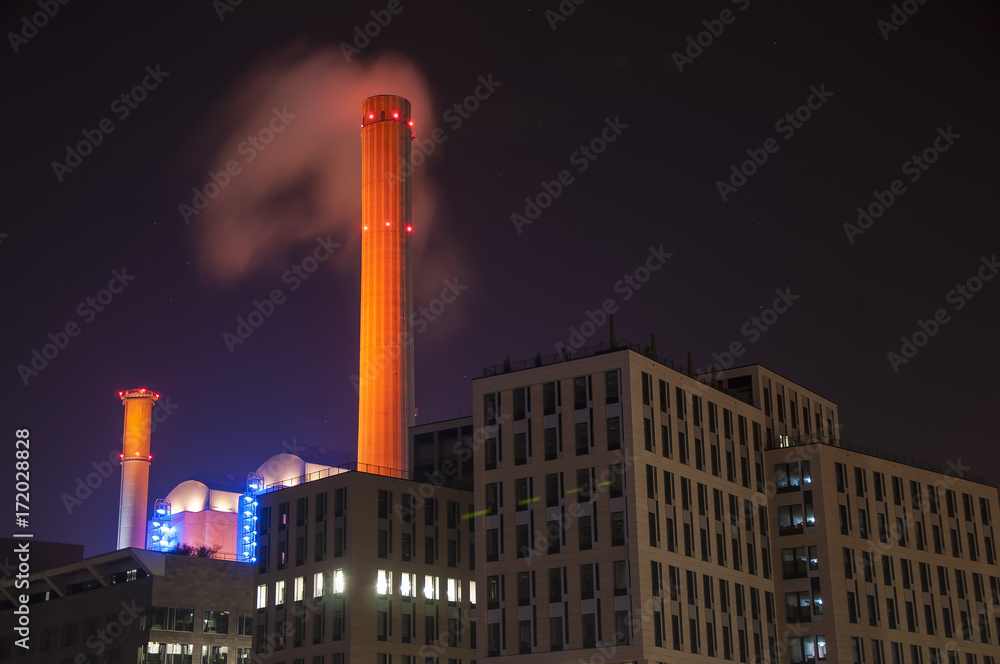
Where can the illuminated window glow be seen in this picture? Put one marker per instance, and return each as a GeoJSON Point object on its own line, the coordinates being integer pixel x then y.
{"type": "Point", "coordinates": [383, 582]}
{"type": "Point", "coordinates": [408, 585]}
{"type": "Point", "coordinates": [318, 584]}
{"type": "Point", "coordinates": [472, 593]}
{"type": "Point", "coordinates": [454, 590]}
{"type": "Point", "coordinates": [338, 581]}
{"type": "Point", "coordinates": [431, 587]}
{"type": "Point", "coordinates": [262, 596]}
{"type": "Point", "coordinates": [300, 584]}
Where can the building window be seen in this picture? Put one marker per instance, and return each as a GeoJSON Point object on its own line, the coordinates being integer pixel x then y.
{"type": "Point", "coordinates": [611, 386]}
{"type": "Point", "coordinates": [582, 438]}
{"type": "Point", "coordinates": [262, 596]}
{"type": "Point", "coordinates": [279, 593]}
{"type": "Point", "coordinates": [621, 577]}
{"type": "Point", "coordinates": [618, 529]}
{"type": "Point", "coordinates": [615, 434]}
{"type": "Point", "coordinates": [790, 520]}
{"type": "Point", "coordinates": [551, 444]}
{"type": "Point", "coordinates": [520, 449]}
{"type": "Point", "coordinates": [211, 655]}
{"type": "Point", "coordinates": [431, 587]}
{"type": "Point", "coordinates": [549, 398]}
{"type": "Point", "coordinates": [580, 392]}
{"type": "Point", "coordinates": [216, 622]}
{"type": "Point", "coordinates": [791, 476]}
{"type": "Point", "coordinates": [383, 582]}
{"type": "Point", "coordinates": [408, 585]}
{"type": "Point", "coordinates": [338, 581]}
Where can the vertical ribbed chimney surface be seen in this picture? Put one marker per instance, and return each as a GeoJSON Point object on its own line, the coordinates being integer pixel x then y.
{"type": "Point", "coordinates": [135, 467]}
{"type": "Point", "coordinates": [385, 389]}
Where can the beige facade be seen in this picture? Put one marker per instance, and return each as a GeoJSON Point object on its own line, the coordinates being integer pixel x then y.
{"type": "Point", "coordinates": [357, 567]}
{"type": "Point", "coordinates": [631, 513]}
{"type": "Point", "coordinates": [624, 514]}
{"type": "Point", "coordinates": [886, 561]}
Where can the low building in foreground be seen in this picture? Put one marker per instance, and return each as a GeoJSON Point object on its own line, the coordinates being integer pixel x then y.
{"type": "Point", "coordinates": [137, 606]}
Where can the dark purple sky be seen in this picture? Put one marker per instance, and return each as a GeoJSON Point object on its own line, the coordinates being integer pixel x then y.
{"type": "Point", "coordinates": [885, 97]}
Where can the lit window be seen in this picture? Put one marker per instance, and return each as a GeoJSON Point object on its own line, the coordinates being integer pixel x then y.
{"type": "Point", "coordinates": [430, 587]}
{"type": "Point", "coordinates": [262, 596]}
{"type": "Point", "coordinates": [279, 593]}
{"type": "Point", "coordinates": [338, 581]}
{"type": "Point", "coordinates": [318, 584]}
{"type": "Point", "coordinates": [472, 593]}
{"type": "Point", "coordinates": [408, 585]}
{"type": "Point", "coordinates": [383, 582]}
{"type": "Point", "coordinates": [454, 590]}
{"type": "Point", "coordinates": [300, 584]}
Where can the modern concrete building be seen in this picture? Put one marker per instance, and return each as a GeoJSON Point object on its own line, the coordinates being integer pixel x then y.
{"type": "Point", "coordinates": [884, 560]}
{"type": "Point", "coordinates": [360, 567]}
{"type": "Point", "coordinates": [134, 606]}
{"type": "Point", "coordinates": [625, 515]}
{"type": "Point", "coordinates": [634, 513]}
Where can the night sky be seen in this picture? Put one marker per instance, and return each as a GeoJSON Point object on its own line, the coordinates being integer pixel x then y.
{"type": "Point", "coordinates": [268, 90]}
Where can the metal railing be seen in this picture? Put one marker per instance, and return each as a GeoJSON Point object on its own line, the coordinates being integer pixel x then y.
{"type": "Point", "coordinates": [352, 466]}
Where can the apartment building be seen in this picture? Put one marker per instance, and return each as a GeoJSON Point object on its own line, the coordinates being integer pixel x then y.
{"type": "Point", "coordinates": [624, 515]}
{"type": "Point", "coordinates": [885, 560]}
{"type": "Point", "coordinates": [359, 567]}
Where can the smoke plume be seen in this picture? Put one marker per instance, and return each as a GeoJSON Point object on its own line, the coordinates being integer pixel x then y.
{"type": "Point", "coordinates": [306, 181]}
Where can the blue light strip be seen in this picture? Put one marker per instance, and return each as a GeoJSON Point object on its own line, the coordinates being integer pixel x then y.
{"type": "Point", "coordinates": [246, 535]}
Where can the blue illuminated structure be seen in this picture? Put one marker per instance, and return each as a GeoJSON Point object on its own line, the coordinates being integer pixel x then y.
{"type": "Point", "coordinates": [247, 532]}
{"type": "Point", "coordinates": [161, 535]}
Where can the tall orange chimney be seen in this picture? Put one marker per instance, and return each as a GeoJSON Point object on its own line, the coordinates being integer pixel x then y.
{"type": "Point", "coordinates": [385, 410]}
{"type": "Point", "coordinates": [135, 467]}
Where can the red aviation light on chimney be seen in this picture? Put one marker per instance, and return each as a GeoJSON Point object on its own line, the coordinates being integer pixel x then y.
{"type": "Point", "coordinates": [395, 115]}
{"type": "Point", "coordinates": [409, 229]}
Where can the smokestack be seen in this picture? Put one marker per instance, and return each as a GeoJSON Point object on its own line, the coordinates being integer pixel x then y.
{"type": "Point", "coordinates": [385, 410]}
{"type": "Point", "coordinates": [135, 467]}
